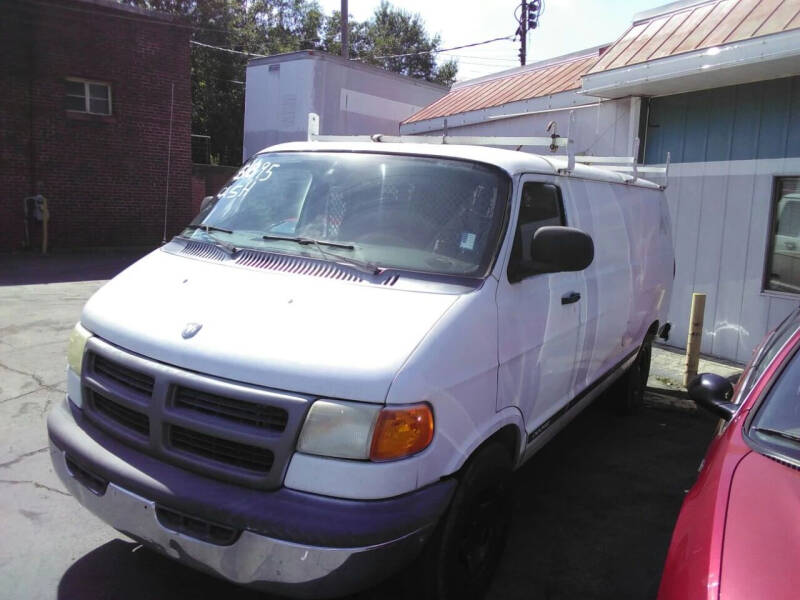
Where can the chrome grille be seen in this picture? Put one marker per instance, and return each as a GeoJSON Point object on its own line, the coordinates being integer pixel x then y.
{"type": "Point", "coordinates": [198, 422]}
{"type": "Point", "coordinates": [229, 409]}
{"type": "Point", "coordinates": [224, 451]}
{"type": "Point", "coordinates": [127, 418]}
{"type": "Point", "coordinates": [123, 376]}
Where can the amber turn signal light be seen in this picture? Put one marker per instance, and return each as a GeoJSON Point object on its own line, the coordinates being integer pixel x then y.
{"type": "Point", "coordinates": [401, 432]}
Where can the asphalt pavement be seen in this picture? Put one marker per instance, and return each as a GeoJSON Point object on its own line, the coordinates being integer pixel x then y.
{"type": "Point", "coordinates": [594, 509]}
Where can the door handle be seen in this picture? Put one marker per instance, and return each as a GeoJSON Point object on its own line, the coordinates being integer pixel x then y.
{"type": "Point", "coordinates": [570, 298]}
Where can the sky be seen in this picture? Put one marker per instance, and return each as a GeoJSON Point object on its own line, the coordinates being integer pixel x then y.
{"type": "Point", "coordinates": [565, 26]}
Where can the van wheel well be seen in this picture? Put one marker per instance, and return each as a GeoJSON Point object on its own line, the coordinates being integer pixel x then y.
{"type": "Point", "coordinates": [508, 437]}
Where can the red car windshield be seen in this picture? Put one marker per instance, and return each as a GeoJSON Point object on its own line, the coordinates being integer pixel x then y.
{"type": "Point", "coordinates": [776, 426]}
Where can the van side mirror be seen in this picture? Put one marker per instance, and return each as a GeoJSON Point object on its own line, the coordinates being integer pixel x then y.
{"type": "Point", "coordinates": [713, 392]}
{"type": "Point", "coordinates": [555, 249]}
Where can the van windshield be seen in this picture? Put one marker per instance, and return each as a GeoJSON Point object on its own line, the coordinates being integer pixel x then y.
{"type": "Point", "coordinates": [405, 212]}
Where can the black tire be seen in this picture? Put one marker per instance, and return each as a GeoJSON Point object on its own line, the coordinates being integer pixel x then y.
{"type": "Point", "coordinates": [462, 556]}
{"type": "Point", "coordinates": [627, 393]}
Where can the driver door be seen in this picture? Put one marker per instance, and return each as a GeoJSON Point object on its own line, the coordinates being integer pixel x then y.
{"type": "Point", "coordinates": [539, 318]}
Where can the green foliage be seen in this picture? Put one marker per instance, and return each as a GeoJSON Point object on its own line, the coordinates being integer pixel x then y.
{"type": "Point", "coordinates": [275, 26]}
{"type": "Point", "coordinates": [389, 32]}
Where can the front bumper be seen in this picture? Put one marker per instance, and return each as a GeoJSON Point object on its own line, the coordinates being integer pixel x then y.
{"type": "Point", "coordinates": [346, 555]}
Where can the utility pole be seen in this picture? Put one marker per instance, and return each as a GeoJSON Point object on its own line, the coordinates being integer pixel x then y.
{"type": "Point", "coordinates": [522, 31]}
{"type": "Point", "coordinates": [530, 12]}
{"type": "Point", "coordinates": [346, 31]}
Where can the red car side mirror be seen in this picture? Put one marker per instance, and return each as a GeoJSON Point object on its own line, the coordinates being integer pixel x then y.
{"type": "Point", "coordinates": [713, 392]}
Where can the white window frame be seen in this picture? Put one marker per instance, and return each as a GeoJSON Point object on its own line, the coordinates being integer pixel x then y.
{"type": "Point", "coordinates": [86, 97]}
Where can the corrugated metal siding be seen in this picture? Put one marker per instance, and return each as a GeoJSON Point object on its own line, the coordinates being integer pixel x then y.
{"type": "Point", "coordinates": [531, 83]}
{"type": "Point", "coordinates": [742, 122]}
{"type": "Point", "coordinates": [721, 226]}
{"type": "Point", "coordinates": [698, 27]}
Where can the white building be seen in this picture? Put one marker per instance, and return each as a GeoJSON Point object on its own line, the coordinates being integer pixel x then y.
{"type": "Point", "coordinates": [716, 84]}
{"type": "Point", "coordinates": [350, 97]}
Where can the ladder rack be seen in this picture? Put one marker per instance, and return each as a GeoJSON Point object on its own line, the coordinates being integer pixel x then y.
{"type": "Point", "coordinates": [624, 164]}
{"type": "Point", "coordinates": [552, 142]}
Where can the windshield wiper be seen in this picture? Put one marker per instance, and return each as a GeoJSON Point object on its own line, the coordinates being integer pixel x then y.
{"type": "Point", "coordinates": [208, 228]}
{"type": "Point", "coordinates": [777, 433]}
{"type": "Point", "coordinates": [307, 241]}
{"type": "Point", "coordinates": [230, 249]}
{"type": "Point", "coordinates": [364, 267]}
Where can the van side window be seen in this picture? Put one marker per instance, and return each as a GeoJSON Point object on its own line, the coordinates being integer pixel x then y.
{"type": "Point", "coordinates": [540, 206]}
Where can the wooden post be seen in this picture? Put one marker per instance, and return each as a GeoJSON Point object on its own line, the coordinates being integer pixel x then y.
{"type": "Point", "coordinates": [695, 337]}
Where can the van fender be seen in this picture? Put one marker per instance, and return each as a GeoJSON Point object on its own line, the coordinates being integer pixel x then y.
{"type": "Point", "coordinates": [508, 417]}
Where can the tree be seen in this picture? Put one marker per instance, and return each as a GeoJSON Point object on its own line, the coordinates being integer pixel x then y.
{"type": "Point", "coordinates": [268, 27]}
{"type": "Point", "coordinates": [390, 32]}
{"type": "Point", "coordinates": [254, 26]}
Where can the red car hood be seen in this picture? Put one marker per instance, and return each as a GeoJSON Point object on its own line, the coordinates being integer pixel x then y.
{"type": "Point", "coordinates": [761, 551]}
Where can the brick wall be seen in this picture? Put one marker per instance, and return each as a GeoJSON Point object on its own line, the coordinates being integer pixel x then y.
{"type": "Point", "coordinates": [207, 180]}
{"type": "Point", "coordinates": [105, 177]}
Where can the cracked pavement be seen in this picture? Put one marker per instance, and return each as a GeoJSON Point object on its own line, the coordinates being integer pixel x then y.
{"type": "Point", "coordinates": [41, 536]}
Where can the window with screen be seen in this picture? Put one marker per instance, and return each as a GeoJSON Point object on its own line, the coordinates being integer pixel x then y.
{"type": "Point", "coordinates": [85, 96]}
{"type": "Point", "coordinates": [540, 206]}
{"type": "Point", "coordinates": [783, 265]}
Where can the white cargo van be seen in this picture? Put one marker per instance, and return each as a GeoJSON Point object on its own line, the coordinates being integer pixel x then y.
{"type": "Point", "coordinates": [334, 370]}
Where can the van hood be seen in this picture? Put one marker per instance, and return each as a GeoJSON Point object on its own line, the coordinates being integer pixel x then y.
{"type": "Point", "coordinates": [285, 331]}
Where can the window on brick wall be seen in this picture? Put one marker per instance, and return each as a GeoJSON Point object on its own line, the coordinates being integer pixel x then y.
{"type": "Point", "coordinates": [783, 266]}
{"type": "Point", "coordinates": [93, 97]}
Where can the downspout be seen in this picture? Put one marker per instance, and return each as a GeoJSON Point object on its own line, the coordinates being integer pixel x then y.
{"type": "Point", "coordinates": [633, 124]}
{"type": "Point", "coordinates": [31, 128]}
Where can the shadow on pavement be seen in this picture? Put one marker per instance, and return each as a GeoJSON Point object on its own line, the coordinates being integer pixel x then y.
{"type": "Point", "coordinates": [593, 519]}
{"type": "Point", "coordinates": [596, 507]}
{"type": "Point", "coordinates": [122, 570]}
{"type": "Point", "coordinates": [31, 268]}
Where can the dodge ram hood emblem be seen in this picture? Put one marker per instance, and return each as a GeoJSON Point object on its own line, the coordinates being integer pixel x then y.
{"type": "Point", "coordinates": [191, 330]}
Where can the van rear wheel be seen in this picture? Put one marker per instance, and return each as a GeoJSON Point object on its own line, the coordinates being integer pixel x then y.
{"type": "Point", "coordinates": [627, 393]}
{"type": "Point", "coordinates": [462, 556]}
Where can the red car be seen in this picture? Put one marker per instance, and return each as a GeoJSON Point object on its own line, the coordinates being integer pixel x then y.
{"type": "Point", "coordinates": [738, 532]}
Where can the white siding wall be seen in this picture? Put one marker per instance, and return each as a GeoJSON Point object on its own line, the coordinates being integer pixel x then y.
{"type": "Point", "coordinates": [721, 225]}
{"type": "Point", "coordinates": [600, 130]}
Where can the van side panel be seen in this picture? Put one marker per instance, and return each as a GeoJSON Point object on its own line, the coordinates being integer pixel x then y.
{"type": "Point", "coordinates": [628, 285]}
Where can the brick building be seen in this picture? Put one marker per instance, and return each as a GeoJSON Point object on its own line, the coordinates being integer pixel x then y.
{"type": "Point", "coordinates": [87, 90]}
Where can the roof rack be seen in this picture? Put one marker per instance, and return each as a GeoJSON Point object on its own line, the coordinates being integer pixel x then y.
{"type": "Point", "coordinates": [552, 142]}
{"type": "Point", "coordinates": [625, 164]}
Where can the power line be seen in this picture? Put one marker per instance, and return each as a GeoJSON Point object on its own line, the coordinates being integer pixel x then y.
{"type": "Point", "coordinates": [196, 43]}
{"type": "Point", "coordinates": [498, 39]}
{"type": "Point", "coordinates": [492, 58]}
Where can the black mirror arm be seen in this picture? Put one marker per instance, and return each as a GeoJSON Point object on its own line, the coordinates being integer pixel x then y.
{"type": "Point", "coordinates": [724, 410]}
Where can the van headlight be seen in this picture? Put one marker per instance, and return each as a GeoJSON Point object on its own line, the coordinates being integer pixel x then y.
{"type": "Point", "coordinates": [77, 346]}
{"type": "Point", "coordinates": [364, 431]}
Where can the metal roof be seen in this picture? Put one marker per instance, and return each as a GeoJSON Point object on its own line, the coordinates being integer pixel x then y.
{"type": "Point", "coordinates": [533, 81]}
{"type": "Point", "coordinates": [512, 162]}
{"type": "Point", "coordinates": [698, 26]}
